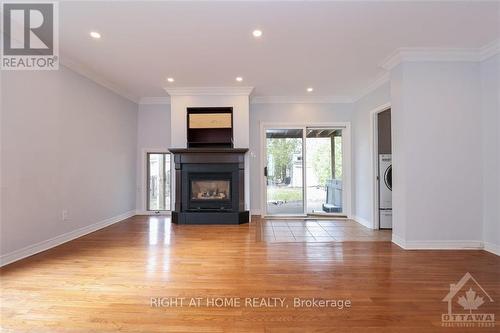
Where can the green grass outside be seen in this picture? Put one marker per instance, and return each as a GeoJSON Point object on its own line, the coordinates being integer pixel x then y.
{"type": "Point", "coordinates": [284, 193]}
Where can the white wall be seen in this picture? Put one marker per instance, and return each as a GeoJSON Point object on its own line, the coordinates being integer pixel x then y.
{"type": "Point", "coordinates": [437, 193]}
{"type": "Point", "coordinates": [66, 144]}
{"type": "Point", "coordinates": [285, 113]}
{"type": "Point", "coordinates": [399, 146]}
{"type": "Point", "coordinates": [240, 105]}
{"type": "Point", "coordinates": [69, 144]}
{"type": "Point", "coordinates": [362, 152]}
{"type": "Point", "coordinates": [490, 95]}
{"type": "Point", "coordinates": [154, 131]}
{"type": "Point", "coordinates": [153, 134]}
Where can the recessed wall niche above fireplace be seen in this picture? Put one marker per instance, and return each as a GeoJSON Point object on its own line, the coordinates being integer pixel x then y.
{"type": "Point", "coordinates": [209, 173]}
{"type": "Point", "coordinates": [210, 127]}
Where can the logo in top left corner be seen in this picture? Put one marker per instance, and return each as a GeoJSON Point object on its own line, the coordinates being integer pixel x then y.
{"type": "Point", "coordinates": [30, 36]}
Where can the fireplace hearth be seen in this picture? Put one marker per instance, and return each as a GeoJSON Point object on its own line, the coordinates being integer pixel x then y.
{"type": "Point", "coordinates": [209, 186]}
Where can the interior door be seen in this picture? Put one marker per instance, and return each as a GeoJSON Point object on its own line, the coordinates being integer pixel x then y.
{"type": "Point", "coordinates": [284, 171]}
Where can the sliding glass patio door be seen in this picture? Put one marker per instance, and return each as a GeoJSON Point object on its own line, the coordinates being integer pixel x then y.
{"type": "Point", "coordinates": [324, 175]}
{"type": "Point", "coordinates": [284, 171]}
{"type": "Point", "coordinates": [304, 171]}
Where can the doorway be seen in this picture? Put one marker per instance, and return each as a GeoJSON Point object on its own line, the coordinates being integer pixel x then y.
{"type": "Point", "coordinates": [382, 156]}
{"type": "Point", "coordinates": [306, 170]}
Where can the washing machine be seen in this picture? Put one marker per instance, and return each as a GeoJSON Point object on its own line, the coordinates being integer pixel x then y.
{"type": "Point", "coordinates": [385, 191]}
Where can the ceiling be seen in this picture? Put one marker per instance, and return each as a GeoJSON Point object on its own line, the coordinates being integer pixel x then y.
{"type": "Point", "coordinates": [334, 47]}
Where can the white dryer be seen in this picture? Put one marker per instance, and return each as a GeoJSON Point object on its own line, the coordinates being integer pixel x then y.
{"type": "Point", "coordinates": [385, 190]}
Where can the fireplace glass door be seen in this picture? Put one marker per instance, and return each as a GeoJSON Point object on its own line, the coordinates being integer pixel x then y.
{"type": "Point", "coordinates": [210, 190]}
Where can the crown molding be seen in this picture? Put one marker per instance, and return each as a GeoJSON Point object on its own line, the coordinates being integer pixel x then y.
{"type": "Point", "coordinates": [489, 50]}
{"type": "Point", "coordinates": [378, 82]}
{"type": "Point", "coordinates": [397, 57]}
{"type": "Point", "coordinates": [154, 100]}
{"type": "Point", "coordinates": [440, 54]}
{"type": "Point", "coordinates": [209, 91]}
{"type": "Point", "coordinates": [300, 99]}
{"type": "Point", "coordinates": [91, 75]}
{"type": "Point", "coordinates": [429, 54]}
{"type": "Point", "coordinates": [266, 99]}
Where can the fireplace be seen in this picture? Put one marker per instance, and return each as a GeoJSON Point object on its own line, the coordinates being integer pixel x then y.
{"type": "Point", "coordinates": [209, 186]}
{"type": "Point", "coordinates": [210, 190]}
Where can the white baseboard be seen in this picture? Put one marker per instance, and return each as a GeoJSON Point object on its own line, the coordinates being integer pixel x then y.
{"type": "Point", "coordinates": [58, 240]}
{"type": "Point", "coordinates": [398, 241]}
{"type": "Point", "coordinates": [438, 245]}
{"type": "Point", "coordinates": [255, 212]}
{"type": "Point", "coordinates": [444, 245]}
{"type": "Point", "coordinates": [363, 221]}
{"type": "Point", "coordinates": [492, 248]}
{"type": "Point", "coordinates": [407, 245]}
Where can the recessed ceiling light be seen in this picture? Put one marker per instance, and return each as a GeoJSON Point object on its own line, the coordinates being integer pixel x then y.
{"type": "Point", "coordinates": [257, 33]}
{"type": "Point", "coordinates": [310, 89]}
{"type": "Point", "coordinates": [95, 35]}
{"type": "Point", "coordinates": [239, 79]}
{"type": "Point", "coordinates": [170, 79]}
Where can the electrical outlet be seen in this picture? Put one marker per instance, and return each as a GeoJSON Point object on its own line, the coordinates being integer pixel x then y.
{"type": "Point", "coordinates": [64, 215]}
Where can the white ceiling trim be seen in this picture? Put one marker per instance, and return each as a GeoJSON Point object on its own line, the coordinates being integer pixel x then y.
{"type": "Point", "coordinates": [269, 100]}
{"type": "Point", "coordinates": [213, 91]}
{"type": "Point", "coordinates": [397, 57]}
{"type": "Point", "coordinates": [382, 79]}
{"type": "Point", "coordinates": [489, 50]}
{"type": "Point", "coordinates": [300, 99]}
{"type": "Point", "coordinates": [91, 75]}
{"type": "Point", "coordinates": [440, 54]}
{"type": "Point", "coordinates": [154, 100]}
{"type": "Point", "coordinates": [428, 55]}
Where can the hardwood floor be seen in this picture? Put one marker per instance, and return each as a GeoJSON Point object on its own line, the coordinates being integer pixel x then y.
{"type": "Point", "coordinates": [105, 282]}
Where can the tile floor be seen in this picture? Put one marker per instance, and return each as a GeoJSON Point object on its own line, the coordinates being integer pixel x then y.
{"type": "Point", "coordinates": [319, 231]}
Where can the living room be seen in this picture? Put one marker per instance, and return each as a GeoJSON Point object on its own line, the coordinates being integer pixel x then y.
{"type": "Point", "coordinates": [228, 166]}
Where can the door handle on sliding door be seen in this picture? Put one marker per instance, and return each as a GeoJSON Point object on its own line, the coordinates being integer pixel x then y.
{"type": "Point", "coordinates": [265, 171]}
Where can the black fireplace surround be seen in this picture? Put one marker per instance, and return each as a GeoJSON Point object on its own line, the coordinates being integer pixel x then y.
{"type": "Point", "coordinates": [209, 186]}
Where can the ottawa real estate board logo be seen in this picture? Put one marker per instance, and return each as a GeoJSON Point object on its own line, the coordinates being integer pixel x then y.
{"type": "Point", "coordinates": [464, 300]}
{"type": "Point", "coordinates": [30, 36]}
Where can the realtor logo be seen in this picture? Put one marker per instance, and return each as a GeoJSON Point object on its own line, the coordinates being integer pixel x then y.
{"type": "Point", "coordinates": [30, 39]}
{"type": "Point", "coordinates": [469, 295]}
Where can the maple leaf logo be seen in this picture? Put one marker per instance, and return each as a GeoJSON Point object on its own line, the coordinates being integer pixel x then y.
{"type": "Point", "coordinates": [470, 301]}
